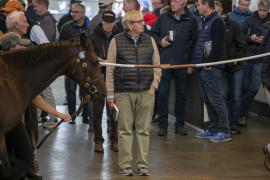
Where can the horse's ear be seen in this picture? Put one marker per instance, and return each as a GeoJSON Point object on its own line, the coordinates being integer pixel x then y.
{"type": "Point", "coordinates": [83, 40]}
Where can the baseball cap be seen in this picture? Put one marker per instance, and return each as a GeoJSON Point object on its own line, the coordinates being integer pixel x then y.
{"type": "Point", "coordinates": [108, 16]}
{"type": "Point", "coordinates": [11, 39]}
{"type": "Point", "coordinates": [102, 3]}
{"type": "Point", "coordinates": [12, 5]}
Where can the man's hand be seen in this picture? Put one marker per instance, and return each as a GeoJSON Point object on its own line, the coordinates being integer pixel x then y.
{"type": "Point", "coordinates": [164, 42]}
{"type": "Point", "coordinates": [101, 60]}
{"type": "Point", "coordinates": [152, 89]}
{"type": "Point", "coordinates": [65, 117]}
{"type": "Point", "coordinates": [110, 102]}
{"type": "Point", "coordinates": [257, 39]}
{"type": "Point", "coordinates": [190, 70]}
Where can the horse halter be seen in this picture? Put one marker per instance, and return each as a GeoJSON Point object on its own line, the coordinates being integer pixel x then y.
{"type": "Point", "coordinates": [88, 82]}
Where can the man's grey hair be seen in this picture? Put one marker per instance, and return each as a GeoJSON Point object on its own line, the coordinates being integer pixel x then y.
{"type": "Point", "coordinates": [13, 18]}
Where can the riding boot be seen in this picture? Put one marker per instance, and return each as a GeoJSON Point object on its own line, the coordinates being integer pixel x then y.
{"type": "Point", "coordinates": [97, 119]}
{"type": "Point", "coordinates": [99, 148]}
{"type": "Point", "coordinates": [114, 146]}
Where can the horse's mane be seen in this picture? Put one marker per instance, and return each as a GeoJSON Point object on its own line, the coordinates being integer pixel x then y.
{"type": "Point", "coordinates": [37, 53]}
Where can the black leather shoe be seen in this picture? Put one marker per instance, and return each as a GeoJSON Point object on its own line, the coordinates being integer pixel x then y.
{"type": "Point", "coordinates": [33, 176]}
{"type": "Point", "coordinates": [235, 130]}
{"type": "Point", "coordinates": [85, 120]}
{"type": "Point", "coordinates": [182, 131]}
{"type": "Point", "coordinates": [243, 121]}
{"type": "Point", "coordinates": [162, 132]}
{"type": "Point", "coordinates": [176, 129]}
{"type": "Point", "coordinates": [72, 122]}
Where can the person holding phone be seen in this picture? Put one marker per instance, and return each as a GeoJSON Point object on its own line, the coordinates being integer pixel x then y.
{"type": "Point", "coordinates": [254, 29]}
{"type": "Point", "coordinates": [175, 33]}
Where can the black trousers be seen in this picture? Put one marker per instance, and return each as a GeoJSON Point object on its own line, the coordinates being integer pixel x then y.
{"type": "Point", "coordinates": [20, 150]}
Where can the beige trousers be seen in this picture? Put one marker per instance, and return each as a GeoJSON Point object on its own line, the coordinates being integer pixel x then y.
{"type": "Point", "coordinates": [135, 110]}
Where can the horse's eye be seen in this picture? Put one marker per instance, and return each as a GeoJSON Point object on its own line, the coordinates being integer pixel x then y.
{"type": "Point", "coordinates": [95, 62]}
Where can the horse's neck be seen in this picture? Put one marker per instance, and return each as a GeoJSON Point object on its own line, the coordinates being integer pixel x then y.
{"type": "Point", "coordinates": [40, 75]}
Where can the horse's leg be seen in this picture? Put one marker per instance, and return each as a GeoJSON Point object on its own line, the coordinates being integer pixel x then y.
{"type": "Point", "coordinates": [4, 161]}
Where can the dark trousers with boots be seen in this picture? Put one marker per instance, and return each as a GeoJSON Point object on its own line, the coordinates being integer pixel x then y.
{"type": "Point", "coordinates": [97, 123]}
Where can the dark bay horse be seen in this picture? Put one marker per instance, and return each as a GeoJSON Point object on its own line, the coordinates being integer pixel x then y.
{"type": "Point", "coordinates": [25, 73]}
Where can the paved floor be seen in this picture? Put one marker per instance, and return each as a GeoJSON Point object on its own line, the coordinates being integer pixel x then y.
{"type": "Point", "coordinates": [68, 155]}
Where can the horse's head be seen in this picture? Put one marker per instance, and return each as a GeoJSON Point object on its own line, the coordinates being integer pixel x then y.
{"type": "Point", "coordinates": [87, 71]}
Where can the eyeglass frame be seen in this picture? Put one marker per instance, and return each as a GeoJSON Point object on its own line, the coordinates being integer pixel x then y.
{"type": "Point", "coordinates": [139, 22]}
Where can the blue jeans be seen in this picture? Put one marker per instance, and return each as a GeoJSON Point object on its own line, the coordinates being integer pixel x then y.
{"type": "Point", "coordinates": [71, 87]}
{"type": "Point", "coordinates": [90, 113]}
{"type": "Point", "coordinates": [234, 80]}
{"type": "Point", "coordinates": [213, 94]}
{"type": "Point", "coordinates": [251, 85]}
{"type": "Point", "coordinates": [180, 77]}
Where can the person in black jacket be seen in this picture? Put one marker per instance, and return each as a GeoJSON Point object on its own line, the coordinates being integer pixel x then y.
{"type": "Point", "coordinates": [177, 49]}
{"type": "Point", "coordinates": [234, 48]}
{"type": "Point", "coordinates": [101, 39]}
{"type": "Point", "coordinates": [266, 84]}
{"type": "Point", "coordinates": [255, 29]}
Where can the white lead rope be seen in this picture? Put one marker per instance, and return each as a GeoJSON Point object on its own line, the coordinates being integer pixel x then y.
{"type": "Point", "coordinates": [168, 66]}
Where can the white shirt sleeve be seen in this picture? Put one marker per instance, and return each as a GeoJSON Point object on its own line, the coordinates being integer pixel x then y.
{"type": "Point", "coordinates": [37, 35]}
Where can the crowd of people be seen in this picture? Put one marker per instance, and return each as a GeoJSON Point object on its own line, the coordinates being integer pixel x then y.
{"type": "Point", "coordinates": [177, 34]}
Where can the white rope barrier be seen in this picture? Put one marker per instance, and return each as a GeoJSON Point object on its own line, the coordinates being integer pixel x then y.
{"type": "Point", "coordinates": [117, 65]}
{"type": "Point", "coordinates": [234, 60]}
{"type": "Point", "coordinates": [168, 66]}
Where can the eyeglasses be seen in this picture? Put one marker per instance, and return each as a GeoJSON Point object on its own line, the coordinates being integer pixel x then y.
{"type": "Point", "coordinates": [76, 12]}
{"type": "Point", "coordinates": [139, 22]}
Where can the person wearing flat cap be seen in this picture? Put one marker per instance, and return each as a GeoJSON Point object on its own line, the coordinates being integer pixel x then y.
{"type": "Point", "coordinates": [104, 5]}
{"type": "Point", "coordinates": [12, 40]}
{"type": "Point", "coordinates": [9, 7]}
{"type": "Point", "coordinates": [101, 38]}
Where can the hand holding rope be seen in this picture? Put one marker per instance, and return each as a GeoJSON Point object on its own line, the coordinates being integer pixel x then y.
{"type": "Point", "coordinates": [84, 100]}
